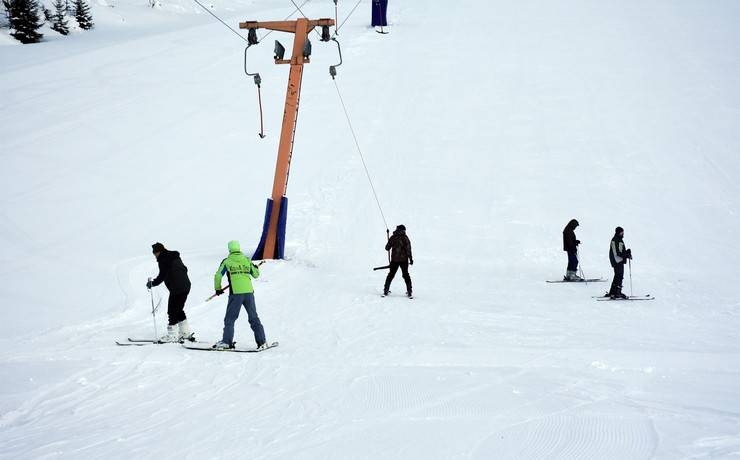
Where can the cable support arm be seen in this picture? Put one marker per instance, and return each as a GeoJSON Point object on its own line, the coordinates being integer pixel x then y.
{"type": "Point", "coordinates": [285, 26]}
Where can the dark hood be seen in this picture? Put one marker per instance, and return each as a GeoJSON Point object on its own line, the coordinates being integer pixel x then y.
{"type": "Point", "coordinates": [571, 225]}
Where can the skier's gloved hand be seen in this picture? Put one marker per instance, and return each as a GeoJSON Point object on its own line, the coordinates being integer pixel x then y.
{"type": "Point", "coordinates": [629, 253]}
{"type": "Point", "coordinates": [149, 284]}
{"type": "Point", "coordinates": [219, 291]}
{"type": "Point", "coordinates": [411, 261]}
{"type": "Point", "coordinates": [578, 242]}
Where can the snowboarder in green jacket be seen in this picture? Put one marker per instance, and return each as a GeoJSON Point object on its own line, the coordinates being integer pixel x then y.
{"type": "Point", "coordinates": [240, 270]}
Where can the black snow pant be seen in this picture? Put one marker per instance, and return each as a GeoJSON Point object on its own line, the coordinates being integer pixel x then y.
{"type": "Point", "coordinates": [616, 288]}
{"type": "Point", "coordinates": [404, 270]}
{"type": "Point", "coordinates": [176, 307]}
{"type": "Point", "coordinates": [572, 261]}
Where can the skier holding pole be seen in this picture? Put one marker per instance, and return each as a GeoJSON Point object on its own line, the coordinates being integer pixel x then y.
{"type": "Point", "coordinates": [240, 270]}
{"type": "Point", "coordinates": [570, 246]}
{"type": "Point", "coordinates": [400, 257]}
{"type": "Point", "coordinates": [174, 274]}
{"type": "Point", "coordinates": [618, 256]}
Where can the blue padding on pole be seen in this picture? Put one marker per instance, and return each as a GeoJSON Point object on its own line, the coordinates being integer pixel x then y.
{"type": "Point", "coordinates": [259, 252]}
{"type": "Point", "coordinates": [282, 222]}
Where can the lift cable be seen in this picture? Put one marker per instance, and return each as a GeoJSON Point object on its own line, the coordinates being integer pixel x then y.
{"type": "Point", "coordinates": [359, 151]}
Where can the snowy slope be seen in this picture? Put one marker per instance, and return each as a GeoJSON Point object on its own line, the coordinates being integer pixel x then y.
{"type": "Point", "coordinates": [486, 126]}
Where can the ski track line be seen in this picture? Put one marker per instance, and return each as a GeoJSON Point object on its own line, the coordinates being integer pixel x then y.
{"type": "Point", "coordinates": [45, 396]}
{"type": "Point", "coordinates": [544, 447]}
{"type": "Point", "coordinates": [558, 436]}
{"type": "Point", "coordinates": [594, 438]}
{"type": "Point", "coordinates": [94, 407]}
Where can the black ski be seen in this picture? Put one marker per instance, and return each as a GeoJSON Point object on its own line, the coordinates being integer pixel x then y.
{"type": "Point", "coordinates": [141, 342]}
{"type": "Point", "coordinates": [632, 297]}
{"type": "Point", "coordinates": [590, 280]}
{"type": "Point", "coordinates": [209, 347]}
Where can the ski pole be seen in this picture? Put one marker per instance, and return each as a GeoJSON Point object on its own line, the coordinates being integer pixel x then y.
{"type": "Point", "coordinates": [388, 238]}
{"type": "Point", "coordinates": [580, 267]}
{"type": "Point", "coordinates": [214, 295]}
{"type": "Point", "coordinates": [227, 286]}
{"type": "Point", "coordinates": [629, 263]}
{"type": "Point", "coordinates": [154, 310]}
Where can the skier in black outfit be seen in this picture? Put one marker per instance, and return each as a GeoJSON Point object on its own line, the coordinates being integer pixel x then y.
{"type": "Point", "coordinates": [174, 274]}
{"type": "Point", "coordinates": [570, 245]}
{"type": "Point", "coordinates": [618, 256]}
{"type": "Point", "coordinates": [401, 256]}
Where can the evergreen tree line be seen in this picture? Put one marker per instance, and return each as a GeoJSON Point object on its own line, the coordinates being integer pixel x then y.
{"type": "Point", "coordinates": [24, 22]}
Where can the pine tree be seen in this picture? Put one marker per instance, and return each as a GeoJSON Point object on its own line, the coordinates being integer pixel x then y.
{"type": "Point", "coordinates": [24, 20]}
{"type": "Point", "coordinates": [83, 15]}
{"type": "Point", "coordinates": [59, 20]}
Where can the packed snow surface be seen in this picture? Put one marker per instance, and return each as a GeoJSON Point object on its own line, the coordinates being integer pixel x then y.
{"type": "Point", "coordinates": [485, 127]}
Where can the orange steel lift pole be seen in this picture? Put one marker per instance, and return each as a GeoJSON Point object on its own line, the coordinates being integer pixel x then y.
{"type": "Point", "coordinates": [300, 29]}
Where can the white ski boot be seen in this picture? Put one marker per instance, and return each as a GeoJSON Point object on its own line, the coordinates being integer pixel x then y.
{"type": "Point", "coordinates": [221, 345]}
{"type": "Point", "coordinates": [184, 333]}
{"type": "Point", "coordinates": [171, 336]}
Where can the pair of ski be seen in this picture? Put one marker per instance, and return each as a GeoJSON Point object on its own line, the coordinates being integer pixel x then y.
{"type": "Point", "coordinates": [389, 294]}
{"type": "Point", "coordinates": [589, 280]}
{"type": "Point", "coordinates": [606, 297]}
{"type": "Point", "coordinates": [142, 342]}
{"type": "Point", "coordinates": [194, 345]}
{"type": "Point", "coordinates": [208, 347]}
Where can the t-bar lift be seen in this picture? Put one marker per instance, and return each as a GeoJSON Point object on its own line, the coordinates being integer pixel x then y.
{"type": "Point", "coordinates": [272, 242]}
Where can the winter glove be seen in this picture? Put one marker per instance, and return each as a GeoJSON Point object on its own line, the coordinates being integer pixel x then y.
{"type": "Point", "coordinates": [149, 284]}
{"type": "Point", "coordinates": [629, 253]}
{"type": "Point", "coordinates": [578, 242]}
{"type": "Point", "coordinates": [411, 262]}
{"type": "Point", "coordinates": [219, 291]}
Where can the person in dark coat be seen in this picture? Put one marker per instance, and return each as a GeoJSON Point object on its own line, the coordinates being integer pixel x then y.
{"type": "Point", "coordinates": [618, 256]}
{"type": "Point", "coordinates": [174, 274]}
{"type": "Point", "coordinates": [380, 8]}
{"type": "Point", "coordinates": [570, 245]}
{"type": "Point", "coordinates": [401, 257]}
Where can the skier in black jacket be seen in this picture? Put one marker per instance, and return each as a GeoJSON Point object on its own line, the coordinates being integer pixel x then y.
{"type": "Point", "coordinates": [174, 274]}
{"type": "Point", "coordinates": [618, 256]}
{"type": "Point", "coordinates": [401, 256]}
{"type": "Point", "coordinates": [570, 245]}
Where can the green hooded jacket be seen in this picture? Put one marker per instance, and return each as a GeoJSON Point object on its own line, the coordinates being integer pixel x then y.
{"type": "Point", "coordinates": [239, 269]}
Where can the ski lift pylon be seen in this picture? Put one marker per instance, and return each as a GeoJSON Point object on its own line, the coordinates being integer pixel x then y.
{"type": "Point", "coordinates": [272, 243]}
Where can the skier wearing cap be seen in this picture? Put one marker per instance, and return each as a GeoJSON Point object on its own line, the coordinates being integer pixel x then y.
{"type": "Point", "coordinates": [240, 270]}
{"type": "Point", "coordinates": [401, 257]}
{"type": "Point", "coordinates": [174, 274]}
{"type": "Point", "coordinates": [618, 256]}
{"type": "Point", "coordinates": [570, 246]}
